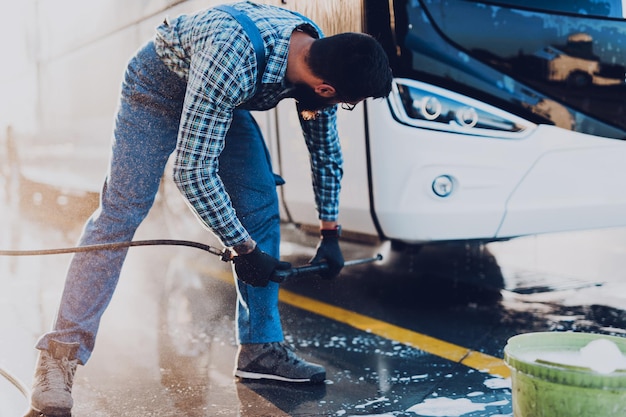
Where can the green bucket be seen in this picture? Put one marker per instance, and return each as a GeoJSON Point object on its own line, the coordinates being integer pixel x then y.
{"type": "Point", "coordinates": [550, 389]}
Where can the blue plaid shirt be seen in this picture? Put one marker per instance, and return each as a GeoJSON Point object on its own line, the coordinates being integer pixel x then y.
{"type": "Point", "coordinates": [212, 52]}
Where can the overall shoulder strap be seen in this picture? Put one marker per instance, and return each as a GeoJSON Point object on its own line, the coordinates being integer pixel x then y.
{"type": "Point", "coordinates": [253, 33]}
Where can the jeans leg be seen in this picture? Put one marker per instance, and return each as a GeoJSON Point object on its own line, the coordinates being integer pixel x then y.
{"type": "Point", "coordinates": [246, 171]}
{"type": "Point", "coordinates": [145, 135]}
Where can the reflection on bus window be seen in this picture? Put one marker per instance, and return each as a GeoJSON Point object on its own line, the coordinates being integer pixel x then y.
{"type": "Point", "coordinates": [603, 8]}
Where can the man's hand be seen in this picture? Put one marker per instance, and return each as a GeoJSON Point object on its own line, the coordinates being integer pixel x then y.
{"type": "Point", "coordinates": [256, 267]}
{"type": "Point", "coordinates": [328, 250]}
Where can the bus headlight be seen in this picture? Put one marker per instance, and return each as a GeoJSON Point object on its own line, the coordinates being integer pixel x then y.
{"type": "Point", "coordinates": [423, 105]}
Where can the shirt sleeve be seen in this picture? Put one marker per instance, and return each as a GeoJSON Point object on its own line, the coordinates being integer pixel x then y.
{"type": "Point", "coordinates": [322, 140]}
{"type": "Point", "coordinates": [221, 76]}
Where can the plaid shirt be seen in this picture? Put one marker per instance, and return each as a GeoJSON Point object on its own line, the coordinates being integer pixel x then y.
{"type": "Point", "coordinates": [212, 52]}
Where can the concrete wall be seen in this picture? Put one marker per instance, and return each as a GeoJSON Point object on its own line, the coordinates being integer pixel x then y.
{"type": "Point", "coordinates": [72, 54]}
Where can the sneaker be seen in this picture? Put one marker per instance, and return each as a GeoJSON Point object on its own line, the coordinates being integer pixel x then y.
{"type": "Point", "coordinates": [54, 376]}
{"type": "Point", "coordinates": [275, 361]}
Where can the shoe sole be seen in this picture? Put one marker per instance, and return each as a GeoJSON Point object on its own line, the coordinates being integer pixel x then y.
{"type": "Point", "coordinates": [316, 379]}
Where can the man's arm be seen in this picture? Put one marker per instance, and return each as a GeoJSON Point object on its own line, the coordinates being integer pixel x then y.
{"type": "Point", "coordinates": [327, 170]}
{"type": "Point", "coordinates": [246, 247]}
{"type": "Point", "coordinates": [322, 140]}
{"type": "Point", "coordinates": [216, 85]}
{"type": "Point", "coordinates": [328, 225]}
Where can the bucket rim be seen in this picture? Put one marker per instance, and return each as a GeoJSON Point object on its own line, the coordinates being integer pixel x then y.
{"type": "Point", "coordinates": [579, 377]}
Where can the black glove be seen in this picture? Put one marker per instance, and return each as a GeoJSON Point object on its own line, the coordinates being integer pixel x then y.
{"type": "Point", "coordinates": [256, 268]}
{"type": "Point", "coordinates": [328, 250]}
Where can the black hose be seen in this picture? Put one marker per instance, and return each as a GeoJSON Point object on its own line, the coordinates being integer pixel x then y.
{"type": "Point", "coordinates": [117, 245]}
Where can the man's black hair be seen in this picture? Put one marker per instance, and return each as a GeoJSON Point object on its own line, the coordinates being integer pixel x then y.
{"type": "Point", "coordinates": [354, 63]}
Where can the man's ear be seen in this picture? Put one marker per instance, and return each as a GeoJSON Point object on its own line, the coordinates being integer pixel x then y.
{"type": "Point", "coordinates": [325, 90]}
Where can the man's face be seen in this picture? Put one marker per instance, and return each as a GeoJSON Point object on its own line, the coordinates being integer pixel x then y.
{"type": "Point", "coordinates": [309, 101]}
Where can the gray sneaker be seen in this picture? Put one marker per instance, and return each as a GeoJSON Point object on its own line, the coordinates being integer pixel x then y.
{"type": "Point", "coordinates": [54, 376]}
{"type": "Point", "coordinates": [275, 361]}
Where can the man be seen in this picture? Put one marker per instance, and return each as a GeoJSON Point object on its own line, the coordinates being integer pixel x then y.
{"type": "Point", "coordinates": [189, 91]}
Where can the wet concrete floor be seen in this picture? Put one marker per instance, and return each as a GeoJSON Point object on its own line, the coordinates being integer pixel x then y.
{"type": "Point", "coordinates": [419, 334]}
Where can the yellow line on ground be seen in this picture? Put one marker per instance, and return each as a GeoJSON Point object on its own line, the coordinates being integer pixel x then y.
{"type": "Point", "coordinates": [459, 354]}
{"type": "Point", "coordinates": [452, 352]}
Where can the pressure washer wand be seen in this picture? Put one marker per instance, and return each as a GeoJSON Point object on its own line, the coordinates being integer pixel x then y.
{"type": "Point", "coordinates": [314, 269]}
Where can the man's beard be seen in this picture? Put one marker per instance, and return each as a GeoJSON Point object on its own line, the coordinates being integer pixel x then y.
{"type": "Point", "coordinates": [309, 102]}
